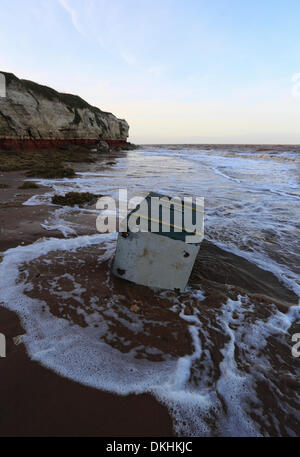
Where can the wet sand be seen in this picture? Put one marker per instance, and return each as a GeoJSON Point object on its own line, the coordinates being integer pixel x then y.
{"type": "Point", "coordinates": [37, 401]}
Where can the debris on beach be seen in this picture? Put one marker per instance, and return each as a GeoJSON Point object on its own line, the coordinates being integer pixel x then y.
{"type": "Point", "coordinates": [160, 254]}
{"type": "Point", "coordinates": [18, 340]}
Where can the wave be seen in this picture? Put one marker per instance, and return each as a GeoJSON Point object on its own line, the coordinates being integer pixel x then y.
{"type": "Point", "coordinates": [207, 363]}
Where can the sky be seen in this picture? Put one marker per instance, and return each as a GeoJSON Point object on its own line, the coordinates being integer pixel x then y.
{"type": "Point", "coordinates": [179, 71]}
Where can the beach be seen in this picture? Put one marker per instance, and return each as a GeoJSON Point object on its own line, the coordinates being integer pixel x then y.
{"type": "Point", "coordinates": [102, 356]}
{"type": "Point", "coordinates": [35, 400]}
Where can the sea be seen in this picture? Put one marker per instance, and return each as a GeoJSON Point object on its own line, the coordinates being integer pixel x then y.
{"type": "Point", "coordinates": [252, 210]}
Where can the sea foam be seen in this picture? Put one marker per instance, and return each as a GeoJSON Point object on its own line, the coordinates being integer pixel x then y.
{"type": "Point", "coordinates": [79, 354]}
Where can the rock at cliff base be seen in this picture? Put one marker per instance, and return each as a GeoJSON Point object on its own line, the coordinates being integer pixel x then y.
{"type": "Point", "coordinates": [102, 146]}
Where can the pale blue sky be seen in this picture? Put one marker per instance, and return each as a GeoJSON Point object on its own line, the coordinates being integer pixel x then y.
{"type": "Point", "coordinates": [178, 71]}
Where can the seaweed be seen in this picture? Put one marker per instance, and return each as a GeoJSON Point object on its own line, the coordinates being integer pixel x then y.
{"type": "Point", "coordinates": [75, 198]}
{"type": "Point", "coordinates": [29, 185]}
{"type": "Point", "coordinates": [51, 172]}
{"type": "Point", "coordinates": [36, 163]}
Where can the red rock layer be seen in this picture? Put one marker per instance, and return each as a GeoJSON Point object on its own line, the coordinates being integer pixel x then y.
{"type": "Point", "coordinates": [27, 144]}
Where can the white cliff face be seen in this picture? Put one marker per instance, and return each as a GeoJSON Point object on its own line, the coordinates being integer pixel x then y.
{"type": "Point", "coordinates": [31, 111]}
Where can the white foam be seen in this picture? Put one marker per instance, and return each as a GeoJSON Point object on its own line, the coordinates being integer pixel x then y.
{"type": "Point", "coordinates": [78, 353]}
{"type": "Point", "coordinates": [194, 409]}
{"type": "Point", "coordinates": [68, 349]}
{"type": "Point", "coordinates": [243, 197]}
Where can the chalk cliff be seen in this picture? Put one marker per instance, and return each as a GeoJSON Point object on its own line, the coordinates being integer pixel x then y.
{"type": "Point", "coordinates": [32, 114]}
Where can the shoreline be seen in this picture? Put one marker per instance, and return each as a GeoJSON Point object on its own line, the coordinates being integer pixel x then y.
{"type": "Point", "coordinates": [38, 402]}
{"type": "Point", "coordinates": [35, 400]}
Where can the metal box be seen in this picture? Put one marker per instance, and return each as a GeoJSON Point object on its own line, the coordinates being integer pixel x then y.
{"type": "Point", "coordinates": [160, 258]}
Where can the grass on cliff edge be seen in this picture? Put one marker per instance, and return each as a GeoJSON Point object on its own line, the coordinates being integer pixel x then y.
{"type": "Point", "coordinates": [45, 163]}
{"type": "Point", "coordinates": [75, 198]}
